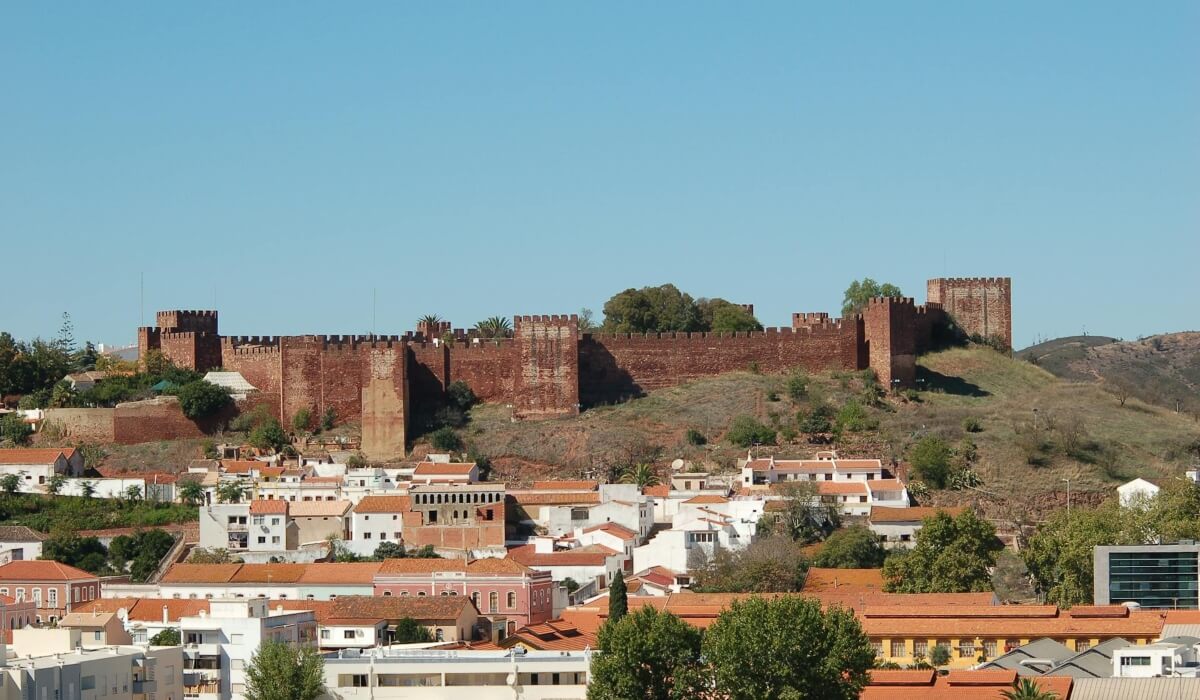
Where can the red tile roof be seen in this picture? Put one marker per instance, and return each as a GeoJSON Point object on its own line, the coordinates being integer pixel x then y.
{"type": "Point", "coordinates": [384, 504]}
{"type": "Point", "coordinates": [34, 455]}
{"type": "Point", "coordinates": [593, 555]}
{"type": "Point", "coordinates": [565, 498]}
{"type": "Point", "coordinates": [396, 607]}
{"type": "Point", "coordinates": [842, 488]}
{"type": "Point", "coordinates": [443, 468]}
{"type": "Point", "coordinates": [844, 580]}
{"type": "Point", "coordinates": [316, 509]}
{"type": "Point", "coordinates": [660, 491]}
{"type": "Point", "coordinates": [707, 498]}
{"type": "Point", "coordinates": [200, 573]}
{"type": "Point", "coordinates": [566, 485]}
{"type": "Point", "coordinates": [885, 484]}
{"type": "Point", "coordinates": [615, 530]}
{"type": "Point", "coordinates": [243, 466]}
{"type": "Point", "coordinates": [268, 507]}
{"type": "Point", "coordinates": [42, 570]}
{"type": "Point", "coordinates": [881, 514]}
{"type": "Point", "coordinates": [340, 572]}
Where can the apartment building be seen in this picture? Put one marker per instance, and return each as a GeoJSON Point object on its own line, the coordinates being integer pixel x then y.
{"type": "Point", "coordinates": [49, 663]}
{"type": "Point", "coordinates": [510, 594]}
{"type": "Point", "coordinates": [316, 581]}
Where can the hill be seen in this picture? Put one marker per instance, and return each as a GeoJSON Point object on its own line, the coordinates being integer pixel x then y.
{"type": "Point", "coordinates": [1161, 369]}
{"type": "Point", "coordinates": [1036, 430]}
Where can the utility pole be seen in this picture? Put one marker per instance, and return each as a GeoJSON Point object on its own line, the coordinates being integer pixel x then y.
{"type": "Point", "coordinates": [1068, 499]}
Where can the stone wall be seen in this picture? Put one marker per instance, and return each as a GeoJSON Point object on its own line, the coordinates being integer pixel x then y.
{"type": "Point", "coordinates": [979, 305]}
{"type": "Point", "coordinates": [547, 378]}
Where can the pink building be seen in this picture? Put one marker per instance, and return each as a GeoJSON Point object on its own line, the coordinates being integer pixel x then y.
{"type": "Point", "coordinates": [55, 589]}
{"type": "Point", "coordinates": [501, 589]}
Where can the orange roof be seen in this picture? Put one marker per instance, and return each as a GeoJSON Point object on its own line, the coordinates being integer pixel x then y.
{"type": "Point", "coordinates": [200, 573]}
{"type": "Point", "coordinates": [268, 507]}
{"type": "Point", "coordinates": [847, 580]}
{"type": "Point", "coordinates": [41, 570]}
{"type": "Point", "coordinates": [496, 565]}
{"type": "Point", "coordinates": [34, 455]}
{"type": "Point", "coordinates": [1004, 621]}
{"type": "Point", "coordinates": [885, 484]}
{"type": "Point", "coordinates": [592, 555]}
{"type": "Point", "coordinates": [842, 488]}
{"type": "Point", "coordinates": [316, 509]}
{"type": "Point", "coordinates": [1176, 617]}
{"type": "Point", "coordinates": [322, 480]}
{"type": "Point", "coordinates": [660, 491]}
{"type": "Point", "coordinates": [884, 676]}
{"type": "Point", "coordinates": [566, 485]}
{"type": "Point", "coordinates": [882, 514]}
{"type": "Point", "coordinates": [614, 529]}
{"type": "Point", "coordinates": [957, 685]}
{"type": "Point", "coordinates": [151, 609]}
{"type": "Point", "coordinates": [707, 498]}
{"type": "Point", "coordinates": [340, 572]}
{"type": "Point", "coordinates": [816, 465]}
{"type": "Point", "coordinates": [443, 468]}
{"type": "Point", "coordinates": [566, 498]}
{"type": "Point", "coordinates": [268, 470]}
{"type": "Point", "coordinates": [268, 573]}
{"type": "Point", "coordinates": [384, 504]}
{"type": "Point", "coordinates": [554, 635]}
{"type": "Point", "coordinates": [241, 466]}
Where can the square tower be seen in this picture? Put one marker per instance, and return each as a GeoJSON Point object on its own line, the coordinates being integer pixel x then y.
{"type": "Point", "coordinates": [981, 306]}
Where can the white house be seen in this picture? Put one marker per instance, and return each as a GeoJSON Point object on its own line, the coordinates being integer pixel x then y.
{"type": "Point", "coordinates": [35, 467]}
{"type": "Point", "coordinates": [1138, 492]}
{"type": "Point", "coordinates": [1166, 657]}
{"type": "Point", "coordinates": [258, 530]}
{"type": "Point", "coordinates": [218, 644]}
{"type": "Point", "coordinates": [897, 528]}
{"type": "Point", "coordinates": [826, 467]}
{"type": "Point", "coordinates": [593, 566]}
{"type": "Point", "coordinates": [18, 542]}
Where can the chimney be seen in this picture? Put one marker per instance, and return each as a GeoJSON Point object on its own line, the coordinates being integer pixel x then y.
{"type": "Point", "coordinates": [166, 618]}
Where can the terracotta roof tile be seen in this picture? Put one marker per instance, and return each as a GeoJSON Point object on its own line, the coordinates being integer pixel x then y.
{"type": "Point", "coordinates": [847, 580]}
{"type": "Point", "coordinates": [443, 468]}
{"type": "Point", "coordinates": [842, 488]}
{"type": "Point", "coordinates": [340, 572]}
{"type": "Point", "coordinates": [268, 573]}
{"type": "Point", "coordinates": [384, 504]}
{"type": "Point", "coordinates": [566, 485]}
{"type": "Point", "coordinates": [883, 676]}
{"type": "Point", "coordinates": [41, 570]}
{"type": "Point", "coordinates": [594, 555]}
{"type": "Point", "coordinates": [200, 573]}
{"type": "Point", "coordinates": [614, 529]}
{"type": "Point", "coordinates": [881, 514]}
{"type": "Point", "coordinates": [317, 509]}
{"type": "Point", "coordinates": [33, 455]}
{"type": "Point", "coordinates": [884, 484]}
{"type": "Point", "coordinates": [660, 491]}
{"type": "Point", "coordinates": [241, 466]}
{"type": "Point", "coordinates": [994, 676]}
{"type": "Point", "coordinates": [565, 498]}
{"type": "Point", "coordinates": [151, 609]}
{"type": "Point", "coordinates": [396, 607]}
{"type": "Point", "coordinates": [268, 507]}
{"type": "Point", "coordinates": [707, 499]}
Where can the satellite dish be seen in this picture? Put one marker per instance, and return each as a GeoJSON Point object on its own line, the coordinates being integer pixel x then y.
{"type": "Point", "coordinates": [677, 465]}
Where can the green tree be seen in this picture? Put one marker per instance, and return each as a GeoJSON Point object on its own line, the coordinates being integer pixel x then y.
{"type": "Point", "coordinates": [745, 431]}
{"type": "Point", "coordinates": [818, 420]}
{"type": "Point", "coordinates": [787, 649]}
{"type": "Point", "coordinates": [328, 418]}
{"type": "Point", "coordinates": [952, 555]}
{"type": "Point", "coordinates": [695, 437]}
{"type": "Point", "coordinates": [939, 655]}
{"type": "Point", "coordinates": [11, 484]}
{"type": "Point", "coordinates": [356, 461]}
{"type": "Point", "coordinates": [191, 492]}
{"type": "Point", "coordinates": [63, 395]}
{"type": "Point", "coordinates": [642, 474]}
{"type": "Point", "coordinates": [133, 493]}
{"type": "Point", "coordinates": [86, 553]}
{"type": "Point", "coordinates": [860, 292]}
{"type": "Point", "coordinates": [855, 418]}
{"type": "Point", "coordinates": [769, 565]}
{"type": "Point", "coordinates": [722, 316]}
{"type": "Point", "coordinates": [801, 514]}
{"type": "Point", "coordinates": [14, 429]}
{"type": "Point", "coordinates": [166, 638]}
{"type": "Point", "coordinates": [797, 385]}
{"type": "Point", "coordinates": [494, 327]}
{"type": "Point", "coordinates": [409, 631]}
{"type": "Point", "coordinates": [231, 491]}
{"type": "Point", "coordinates": [281, 671]}
{"type": "Point", "coordinates": [302, 420]}
{"type": "Point", "coordinates": [585, 322]}
{"type": "Point", "coordinates": [446, 440]}
{"type": "Point", "coordinates": [650, 310]}
{"type": "Point", "coordinates": [1027, 689]}
{"type": "Point", "coordinates": [930, 459]}
{"type": "Point", "coordinates": [87, 488]}
{"type": "Point", "coordinates": [389, 550]}
{"type": "Point", "coordinates": [269, 435]}
{"type": "Point", "coordinates": [55, 484]}
{"type": "Point", "coordinates": [200, 398]}
{"type": "Point", "coordinates": [854, 547]}
{"type": "Point", "coordinates": [646, 655]}
{"type": "Point", "coordinates": [618, 599]}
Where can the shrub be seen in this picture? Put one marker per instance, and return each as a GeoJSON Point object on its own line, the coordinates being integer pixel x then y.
{"type": "Point", "coordinates": [930, 458]}
{"type": "Point", "coordinates": [772, 395]}
{"type": "Point", "coordinates": [14, 429]}
{"type": "Point", "coordinates": [855, 418]}
{"type": "Point", "coordinates": [446, 440]}
{"type": "Point", "coordinates": [818, 420]}
{"type": "Point", "coordinates": [301, 420]}
{"type": "Point", "coordinates": [788, 433]}
{"type": "Point", "coordinates": [245, 422]}
{"type": "Point", "coordinates": [328, 418]}
{"type": "Point", "coordinates": [971, 424]}
{"type": "Point", "coordinates": [746, 431]}
{"type": "Point", "coordinates": [356, 461]}
{"type": "Point", "coordinates": [939, 655]}
{"type": "Point", "coordinates": [695, 437]}
{"type": "Point", "coordinates": [200, 398]}
{"type": "Point", "coordinates": [797, 386]}
{"type": "Point", "coordinates": [268, 435]}
{"type": "Point", "coordinates": [460, 396]}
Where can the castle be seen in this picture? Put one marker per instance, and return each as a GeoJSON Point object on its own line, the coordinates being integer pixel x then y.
{"type": "Point", "coordinates": [549, 369]}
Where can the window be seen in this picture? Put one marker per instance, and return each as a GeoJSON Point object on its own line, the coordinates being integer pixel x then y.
{"type": "Point", "coordinates": [259, 520]}
{"type": "Point", "coordinates": [512, 600]}
{"type": "Point", "coordinates": [493, 601]}
{"type": "Point", "coordinates": [97, 635]}
{"type": "Point", "coordinates": [348, 634]}
{"type": "Point", "coordinates": [966, 649]}
{"type": "Point", "coordinates": [358, 680]}
{"type": "Point", "coordinates": [51, 597]}
{"type": "Point", "coordinates": [877, 647]}
{"type": "Point", "coordinates": [475, 599]}
{"type": "Point", "coordinates": [921, 647]}
{"type": "Point", "coordinates": [420, 594]}
{"type": "Point", "coordinates": [274, 521]}
{"type": "Point", "coordinates": [1083, 644]}
{"type": "Point", "coordinates": [366, 535]}
{"type": "Point", "coordinates": [37, 597]}
{"type": "Point", "coordinates": [438, 635]}
{"type": "Point", "coordinates": [275, 540]}
{"type": "Point", "coordinates": [21, 595]}
{"type": "Point", "coordinates": [989, 648]}
{"type": "Point", "coordinates": [898, 649]}
{"type": "Point", "coordinates": [1135, 660]}
{"type": "Point", "coordinates": [262, 540]}
{"type": "Point", "coordinates": [324, 634]}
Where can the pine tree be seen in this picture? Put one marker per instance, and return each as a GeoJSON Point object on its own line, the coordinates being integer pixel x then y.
{"type": "Point", "coordinates": [618, 599]}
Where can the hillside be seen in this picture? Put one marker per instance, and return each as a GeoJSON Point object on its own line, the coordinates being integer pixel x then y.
{"type": "Point", "coordinates": [1161, 369]}
{"type": "Point", "coordinates": [1082, 432]}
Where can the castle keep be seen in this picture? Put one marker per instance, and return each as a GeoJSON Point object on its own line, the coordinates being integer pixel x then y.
{"type": "Point", "coordinates": [549, 369]}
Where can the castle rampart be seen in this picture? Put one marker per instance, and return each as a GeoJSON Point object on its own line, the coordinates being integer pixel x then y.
{"type": "Point", "coordinates": [548, 368]}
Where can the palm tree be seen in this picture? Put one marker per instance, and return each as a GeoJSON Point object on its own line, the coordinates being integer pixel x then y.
{"type": "Point", "coordinates": [231, 492]}
{"type": "Point", "coordinates": [191, 492]}
{"type": "Point", "coordinates": [494, 327]}
{"type": "Point", "coordinates": [88, 488]}
{"type": "Point", "coordinates": [641, 474]}
{"type": "Point", "coordinates": [1028, 690]}
{"type": "Point", "coordinates": [429, 321]}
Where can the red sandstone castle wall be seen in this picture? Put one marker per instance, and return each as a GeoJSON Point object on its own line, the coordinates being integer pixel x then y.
{"type": "Point", "coordinates": [385, 399]}
{"type": "Point", "coordinates": [148, 421]}
{"type": "Point", "coordinates": [489, 368]}
{"type": "Point", "coordinates": [547, 380]}
{"type": "Point", "coordinates": [429, 371]}
{"type": "Point", "coordinates": [979, 305]}
{"type": "Point", "coordinates": [889, 326]}
{"type": "Point", "coordinates": [258, 359]}
{"type": "Point", "coordinates": [613, 367]}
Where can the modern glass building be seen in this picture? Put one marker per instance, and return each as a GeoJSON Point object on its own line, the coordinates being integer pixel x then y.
{"type": "Point", "coordinates": [1153, 576]}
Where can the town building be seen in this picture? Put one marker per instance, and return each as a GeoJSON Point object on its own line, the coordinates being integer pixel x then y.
{"type": "Point", "coordinates": [56, 589]}
{"type": "Point", "coordinates": [36, 466]}
{"type": "Point", "coordinates": [49, 664]}
{"type": "Point", "coordinates": [897, 527]}
{"type": "Point", "coordinates": [97, 629]}
{"type": "Point", "coordinates": [1151, 575]}
{"type": "Point", "coordinates": [510, 594]}
{"type": "Point", "coordinates": [18, 543]}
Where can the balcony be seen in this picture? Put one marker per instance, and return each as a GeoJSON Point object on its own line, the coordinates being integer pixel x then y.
{"type": "Point", "coordinates": [193, 650]}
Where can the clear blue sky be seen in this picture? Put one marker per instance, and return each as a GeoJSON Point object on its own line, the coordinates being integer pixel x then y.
{"type": "Point", "coordinates": [282, 160]}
